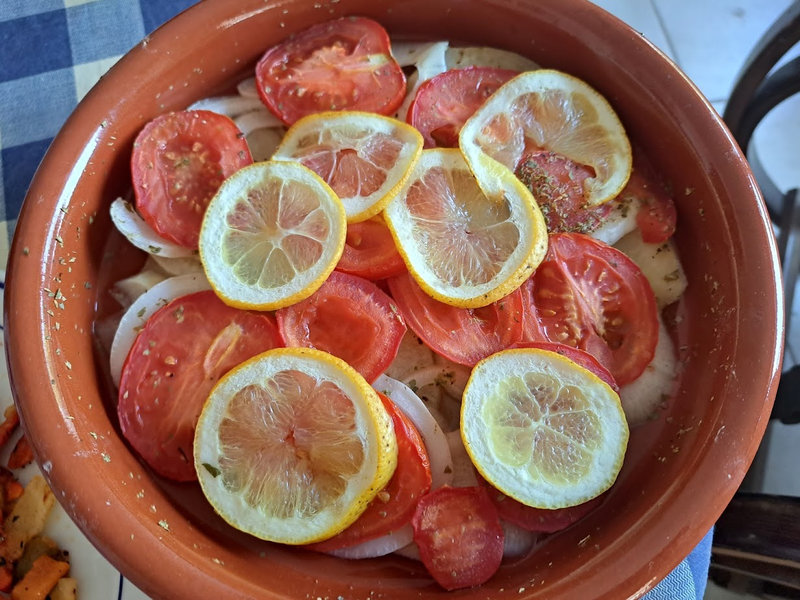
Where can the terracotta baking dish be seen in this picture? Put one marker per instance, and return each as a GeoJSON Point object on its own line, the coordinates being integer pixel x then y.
{"type": "Point", "coordinates": [681, 469]}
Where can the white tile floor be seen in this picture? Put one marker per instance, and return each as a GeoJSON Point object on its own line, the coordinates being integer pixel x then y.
{"type": "Point", "coordinates": [710, 40]}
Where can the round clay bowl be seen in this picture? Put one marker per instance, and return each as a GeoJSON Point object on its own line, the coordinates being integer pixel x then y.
{"type": "Point", "coordinates": [681, 469]}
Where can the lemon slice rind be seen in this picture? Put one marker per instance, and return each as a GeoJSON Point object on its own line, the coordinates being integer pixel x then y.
{"type": "Point", "coordinates": [483, 412]}
{"type": "Point", "coordinates": [612, 167]}
{"type": "Point", "coordinates": [524, 214]}
{"type": "Point", "coordinates": [373, 427]}
{"type": "Point", "coordinates": [352, 128]}
{"type": "Point", "coordinates": [221, 275]}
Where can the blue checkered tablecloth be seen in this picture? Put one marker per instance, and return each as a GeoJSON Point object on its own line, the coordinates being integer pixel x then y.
{"type": "Point", "coordinates": [51, 53]}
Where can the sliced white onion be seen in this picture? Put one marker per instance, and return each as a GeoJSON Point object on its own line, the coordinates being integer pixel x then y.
{"type": "Point", "coordinates": [429, 429]}
{"type": "Point", "coordinates": [412, 83]}
{"type": "Point", "coordinates": [105, 328]}
{"type": "Point", "coordinates": [260, 118]}
{"type": "Point", "coordinates": [481, 56]}
{"type": "Point", "coordinates": [126, 291]}
{"type": "Point", "coordinates": [141, 235]}
{"type": "Point", "coordinates": [464, 474]}
{"type": "Point", "coordinates": [642, 398]}
{"type": "Point", "coordinates": [264, 142]}
{"type": "Point", "coordinates": [411, 551]}
{"type": "Point", "coordinates": [230, 106]}
{"type": "Point", "coordinates": [431, 397]}
{"type": "Point", "coordinates": [430, 63]}
{"type": "Point", "coordinates": [381, 546]}
{"type": "Point", "coordinates": [516, 540]}
{"type": "Point", "coordinates": [412, 356]}
{"type": "Point", "coordinates": [660, 263]}
{"type": "Point", "coordinates": [145, 305]}
{"type": "Point", "coordinates": [408, 53]}
{"type": "Point", "coordinates": [247, 88]}
{"type": "Point", "coordinates": [619, 223]}
{"type": "Point", "coordinates": [177, 266]}
{"type": "Point", "coordinates": [451, 377]}
{"type": "Point", "coordinates": [449, 380]}
{"type": "Point", "coordinates": [436, 444]}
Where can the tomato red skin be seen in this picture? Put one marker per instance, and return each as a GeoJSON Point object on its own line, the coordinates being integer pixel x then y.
{"type": "Point", "coordinates": [370, 252]}
{"type": "Point", "coordinates": [576, 355]}
{"type": "Point", "coordinates": [169, 373]}
{"type": "Point", "coordinates": [532, 328]}
{"type": "Point", "coordinates": [557, 183]}
{"type": "Point", "coordinates": [444, 102]}
{"type": "Point", "coordinates": [657, 216]}
{"type": "Point", "coordinates": [349, 317]}
{"type": "Point", "coordinates": [541, 520]}
{"type": "Point", "coordinates": [291, 89]}
{"type": "Point", "coordinates": [572, 301]}
{"type": "Point", "coordinates": [179, 161]}
{"type": "Point", "coordinates": [460, 539]}
{"type": "Point", "coordinates": [395, 504]}
{"type": "Point", "coordinates": [462, 335]}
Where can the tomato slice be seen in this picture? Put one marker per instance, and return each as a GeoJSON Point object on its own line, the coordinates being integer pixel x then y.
{"type": "Point", "coordinates": [345, 64]}
{"type": "Point", "coordinates": [179, 161]}
{"type": "Point", "coordinates": [579, 357]}
{"type": "Point", "coordinates": [443, 103]}
{"type": "Point", "coordinates": [462, 335]}
{"type": "Point", "coordinates": [541, 520]}
{"type": "Point", "coordinates": [657, 216]}
{"type": "Point", "coordinates": [459, 536]}
{"type": "Point", "coordinates": [180, 353]}
{"type": "Point", "coordinates": [348, 317]}
{"type": "Point", "coordinates": [557, 184]}
{"type": "Point", "coordinates": [369, 251]}
{"type": "Point", "coordinates": [395, 504]}
{"type": "Point", "coordinates": [589, 295]}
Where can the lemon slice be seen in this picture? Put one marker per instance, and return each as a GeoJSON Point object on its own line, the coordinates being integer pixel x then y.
{"type": "Point", "coordinates": [466, 246]}
{"type": "Point", "coordinates": [547, 109]}
{"type": "Point", "coordinates": [542, 429]}
{"type": "Point", "coordinates": [364, 157]}
{"type": "Point", "coordinates": [271, 235]}
{"type": "Point", "coordinates": [292, 445]}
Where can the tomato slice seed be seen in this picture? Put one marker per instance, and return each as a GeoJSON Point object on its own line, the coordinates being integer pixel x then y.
{"type": "Point", "coordinates": [369, 251]}
{"type": "Point", "coordinates": [348, 317]}
{"type": "Point", "coordinates": [445, 102]}
{"type": "Point", "coordinates": [589, 295]}
{"type": "Point", "coordinates": [459, 536]}
{"type": "Point", "coordinates": [179, 161]}
{"type": "Point", "coordinates": [344, 64]}
{"type": "Point", "coordinates": [181, 352]}
{"type": "Point", "coordinates": [463, 335]}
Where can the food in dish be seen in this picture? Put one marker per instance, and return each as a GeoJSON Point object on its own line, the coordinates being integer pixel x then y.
{"type": "Point", "coordinates": [496, 254]}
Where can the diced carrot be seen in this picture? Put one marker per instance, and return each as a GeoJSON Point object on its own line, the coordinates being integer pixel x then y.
{"type": "Point", "coordinates": [42, 577]}
{"type": "Point", "coordinates": [6, 578]}
{"type": "Point", "coordinates": [21, 455]}
{"type": "Point", "coordinates": [9, 425]}
{"type": "Point", "coordinates": [13, 490]}
{"type": "Point", "coordinates": [10, 490]}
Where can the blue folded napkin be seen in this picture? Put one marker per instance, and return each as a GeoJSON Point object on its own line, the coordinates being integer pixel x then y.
{"type": "Point", "coordinates": [51, 53]}
{"type": "Point", "coordinates": [688, 580]}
